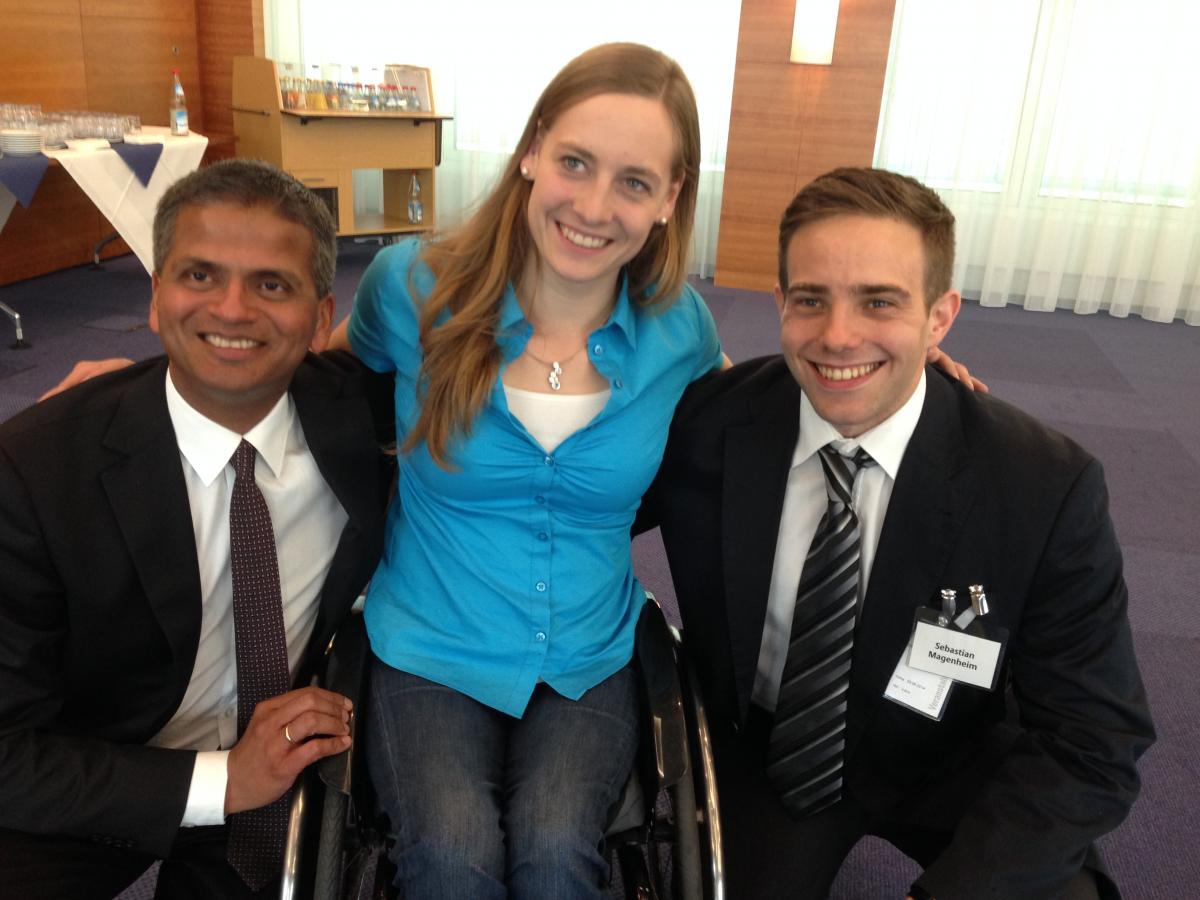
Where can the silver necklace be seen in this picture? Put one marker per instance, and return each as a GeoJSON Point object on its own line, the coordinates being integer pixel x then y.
{"type": "Point", "coordinates": [553, 378]}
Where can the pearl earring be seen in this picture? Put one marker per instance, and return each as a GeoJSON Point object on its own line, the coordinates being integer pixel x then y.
{"type": "Point", "coordinates": [525, 172]}
{"type": "Point", "coordinates": [662, 221]}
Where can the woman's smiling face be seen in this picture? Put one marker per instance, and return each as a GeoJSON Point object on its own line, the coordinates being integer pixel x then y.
{"type": "Point", "coordinates": [601, 178]}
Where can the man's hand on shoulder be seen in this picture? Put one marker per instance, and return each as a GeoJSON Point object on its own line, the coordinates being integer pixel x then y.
{"type": "Point", "coordinates": [285, 735]}
{"type": "Point", "coordinates": [85, 369]}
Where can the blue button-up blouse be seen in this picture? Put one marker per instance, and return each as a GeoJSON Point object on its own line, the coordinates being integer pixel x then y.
{"type": "Point", "coordinates": [514, 565]}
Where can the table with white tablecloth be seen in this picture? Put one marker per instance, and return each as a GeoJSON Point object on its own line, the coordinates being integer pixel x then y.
{"type": "Point", "coordinates": [125, 197]}
{"type": "Point", "coordinates": [120, 196]}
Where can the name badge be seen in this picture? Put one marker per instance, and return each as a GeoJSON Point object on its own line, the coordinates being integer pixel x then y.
{"type": "Point", "coordinates": [922, 692]}
{"type": "Point", "coordinates": [957, 655]}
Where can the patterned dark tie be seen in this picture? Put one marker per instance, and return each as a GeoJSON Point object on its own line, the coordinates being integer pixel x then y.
{"type": "Point", "coordinates": [804, 755]}
{"type": "Point", "coordinates": [256, 836]}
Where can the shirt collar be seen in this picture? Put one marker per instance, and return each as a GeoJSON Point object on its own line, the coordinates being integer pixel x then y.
{"type": "Point", "coordinates": [886, 442]}
{"type": "Point", "coordinates": [623, 313]}
{"type": "Point", "coordinates": [208, 446]}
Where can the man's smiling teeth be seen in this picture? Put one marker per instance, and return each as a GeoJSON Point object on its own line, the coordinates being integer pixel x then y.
{"type": "Point", "coordinates": [579, 239]}
{"type": "Point", "coordinates": [230, 343]}
{"type": "Point", "coordinates": [846, 373]}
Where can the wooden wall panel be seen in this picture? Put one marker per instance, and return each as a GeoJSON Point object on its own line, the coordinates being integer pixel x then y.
{"type": "Point", "coordinates": [224, 29]}
{"type": "Point", "coordinates": [42, 60]}
{"type": "Point", "coordinates": [124, 80]}
{"type": "Point", "coordinates": [790, 123]}
{"type": "Point", "coordinates": [746, 249]}
{"type": "Point", "coordinates": [38, 7]}
{"type": "Point", "coordinates": [174, 10]}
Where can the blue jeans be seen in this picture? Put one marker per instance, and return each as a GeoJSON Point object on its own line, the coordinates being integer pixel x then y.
{"type": "Point", "coordinates": [483, 805]}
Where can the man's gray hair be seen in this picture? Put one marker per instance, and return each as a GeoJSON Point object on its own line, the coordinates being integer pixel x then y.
{"type": "Point", "coordinates": [251, 183]}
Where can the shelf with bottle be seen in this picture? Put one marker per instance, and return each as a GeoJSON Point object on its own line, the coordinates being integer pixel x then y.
{"type": "Point", "coordinates": [407, 196]}
{"type": "Point", "coordinates": [324, 148]}
{"type": "Point", "coordinates": [309, 98]}
{"type": "Point", "coordinates": [407, 201]}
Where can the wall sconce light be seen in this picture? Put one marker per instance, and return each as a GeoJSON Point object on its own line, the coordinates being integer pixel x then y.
{"type": "Point", "coordinates": [813, 31]}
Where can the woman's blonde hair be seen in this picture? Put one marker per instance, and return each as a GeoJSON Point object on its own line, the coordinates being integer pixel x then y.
{"type": "Point", "coordinates": [475, 263]}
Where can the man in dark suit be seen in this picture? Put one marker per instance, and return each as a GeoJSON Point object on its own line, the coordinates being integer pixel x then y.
{"type": "Point", "coordinates": [926, 640]}
{"type": "Point", "coordinates": [122, 739]}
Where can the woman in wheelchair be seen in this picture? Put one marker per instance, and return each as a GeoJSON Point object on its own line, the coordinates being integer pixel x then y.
{"type": "Point", "coordinates": [539, 351]}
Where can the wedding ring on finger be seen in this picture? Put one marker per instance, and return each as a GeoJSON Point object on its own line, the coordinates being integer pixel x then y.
{"type": "Point", "coordinates": [287, 734]}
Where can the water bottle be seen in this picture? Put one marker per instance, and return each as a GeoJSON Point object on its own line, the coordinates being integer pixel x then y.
{"type": "Point", "coordinates": [178, 111]}
{"type": "Point", "coordinates": [416, 212]}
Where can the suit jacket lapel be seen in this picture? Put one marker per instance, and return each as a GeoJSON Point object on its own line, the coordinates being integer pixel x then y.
{"type": "Point", "coordinates": [148, 495]}
{"type": "Point", "coordinates": [932, 496]}
{"type": "Point", "coordinates": [758, 458]}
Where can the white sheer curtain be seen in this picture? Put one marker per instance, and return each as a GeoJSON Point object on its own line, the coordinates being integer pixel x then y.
{"type": "Point", "coordinates": [1065, 136]}
{"type": "Point", "coordinates": [490, 61]}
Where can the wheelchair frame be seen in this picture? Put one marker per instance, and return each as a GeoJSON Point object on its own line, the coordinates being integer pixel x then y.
{"type": "Point", "coordinates": [675, 758]}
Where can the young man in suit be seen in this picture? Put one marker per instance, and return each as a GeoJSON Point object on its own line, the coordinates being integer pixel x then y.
{"type": "Point", "coordinates": [130, 548]}
{"type": "Point", "coordinates": [904, 599]}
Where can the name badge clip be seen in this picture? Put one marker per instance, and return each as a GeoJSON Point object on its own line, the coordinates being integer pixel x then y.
{"type": "Point", "coordinates": [978, 609]}
{"type": "Point", "coordinates": [949, 646]}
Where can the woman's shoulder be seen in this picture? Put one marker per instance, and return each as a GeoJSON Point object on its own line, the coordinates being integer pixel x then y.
{"type": "Point", "coordinates": [685, 317]}
{"type": "Point", "coordinates": [399, 267]}
{"type": "Point", "coordinates": [685, 306]}
{"type": "Point", "coordinates": [398, 258]}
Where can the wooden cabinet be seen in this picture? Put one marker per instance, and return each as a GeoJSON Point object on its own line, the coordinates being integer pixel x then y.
{"type": "Point", "coordinates": [324, 148]}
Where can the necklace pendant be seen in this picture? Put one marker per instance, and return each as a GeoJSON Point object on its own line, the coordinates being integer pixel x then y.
{"type": "Point", "coordinates": [555, 371]}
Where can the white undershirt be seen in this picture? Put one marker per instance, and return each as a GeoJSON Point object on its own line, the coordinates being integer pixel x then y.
{"type": "Point", "coordinates": [552, 418]}
{"type": "Point", "coordinates": [307, 519]}
{"type": "Point", "coordinates": [803, 505]}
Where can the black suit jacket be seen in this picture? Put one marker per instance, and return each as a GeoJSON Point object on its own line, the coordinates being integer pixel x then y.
{"type": "Point", "coordinates": [100, 594]}
{"type": "Point", "coordinates": [984, 495]}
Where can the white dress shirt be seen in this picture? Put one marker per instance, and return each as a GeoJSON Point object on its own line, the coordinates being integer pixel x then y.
{"type": "Point", "coordinates": [307, 520]}
{"type": "Point", "coordinates": [805, 503]}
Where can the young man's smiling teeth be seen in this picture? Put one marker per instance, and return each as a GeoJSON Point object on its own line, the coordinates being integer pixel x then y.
{"type": "Point", "coordinates": [846, 373]}
{"type": "Point", "coordinates": [579, 239]}
{"type": "Point", "coordinates": [226, 343]}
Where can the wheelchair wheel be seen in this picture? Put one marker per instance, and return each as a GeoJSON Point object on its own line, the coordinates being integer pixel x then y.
{"type": "Point", "coordinates": [706, 819]}
{"type": "Point", "coordinates": [331, 847]}
{"type": "Point", "coordinates": [687, 863]}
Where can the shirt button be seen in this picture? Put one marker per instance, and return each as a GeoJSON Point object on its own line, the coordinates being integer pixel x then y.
{"type": "Point", "coordinates": [542, 536]}
{"type": "Point", "coordinates": [549, 460]}
{"type": "Point", "coordinates": [598, 350]}
{"type": "Point", "coordinates": [540, 636]}
{"type": "Point", "coordinates": [540, 586]}
{"type": "Point", "coordinates": [617, 384]}
{"type": "Point", "coordinates": [540, 499]}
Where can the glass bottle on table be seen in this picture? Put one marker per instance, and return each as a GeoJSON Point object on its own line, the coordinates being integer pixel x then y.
{"type": "Point", "coordinates": [178, 113]}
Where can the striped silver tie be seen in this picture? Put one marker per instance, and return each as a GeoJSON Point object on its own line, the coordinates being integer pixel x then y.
{"type": "Point", "coordinates": [804, 756]}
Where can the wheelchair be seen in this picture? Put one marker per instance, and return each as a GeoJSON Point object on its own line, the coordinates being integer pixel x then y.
{"type": "Point", "coordinates": [664, 837]}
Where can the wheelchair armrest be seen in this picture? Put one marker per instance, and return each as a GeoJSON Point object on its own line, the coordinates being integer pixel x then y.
{"type": "Point", "coordinates": [345, 673]}
{"type": "Point", "coordinates": [657, 663]}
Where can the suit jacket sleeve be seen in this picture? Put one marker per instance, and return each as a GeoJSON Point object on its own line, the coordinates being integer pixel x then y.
{"type": "Point", "coordinates": [54, 782]}
{"type": "Point", "coordinates": [1070, 775]}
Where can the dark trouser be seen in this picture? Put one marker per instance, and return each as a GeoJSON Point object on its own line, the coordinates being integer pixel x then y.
{"type": "Point", "coordinates": [37, 867]}
{"type": "Point", "coordinates": [771, 856]}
